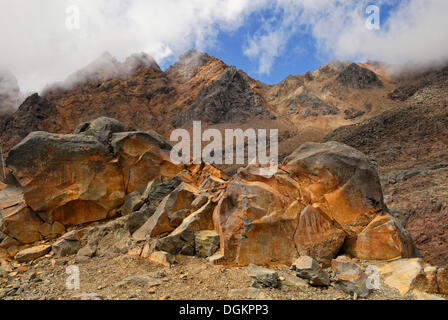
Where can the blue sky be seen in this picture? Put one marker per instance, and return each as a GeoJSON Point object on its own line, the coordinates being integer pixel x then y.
{"type": "Point", "coordinates": [299, 56]}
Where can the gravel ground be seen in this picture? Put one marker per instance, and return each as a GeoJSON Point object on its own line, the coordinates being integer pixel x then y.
{"type": "Point", "coordinates": [127, 277]}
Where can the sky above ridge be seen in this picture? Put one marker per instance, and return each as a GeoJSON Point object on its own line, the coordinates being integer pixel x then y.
{"type": "Point", "coordinates": [44, 41]}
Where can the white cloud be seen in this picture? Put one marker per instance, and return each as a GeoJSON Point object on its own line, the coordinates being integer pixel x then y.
{"type": "Point", "coordinates": [415, 32]}
{"type": "Point", "coordinates": [38, 48]}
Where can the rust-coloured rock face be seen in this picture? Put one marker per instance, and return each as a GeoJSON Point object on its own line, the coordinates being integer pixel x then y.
{"type": "Point", "coordinates": [382, 239]}
{"type": "Point", "coordinates": [70, 177]}
{"type": "Point", "coordinates": [341, 177]}
{"type": "Point", "coordinates": [317, 236]}
{"type": "Point", "coordinates": [257, 223]}
{"type": "Point", "coordinates": [143, 157]}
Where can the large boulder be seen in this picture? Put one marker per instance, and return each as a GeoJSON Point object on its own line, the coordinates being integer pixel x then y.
{"type": "Point", "coordinates": [257, 218]}
{"type": "Point", "coordinates": [341, 178]}
{"type": "Point", "coordinates": [72, 178]}
{"type": "Point", "coordinates": [324, 195]}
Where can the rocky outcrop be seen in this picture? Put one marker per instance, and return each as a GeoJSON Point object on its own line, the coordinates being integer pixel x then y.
{"type": "Point", "coordinates": [69, 178]}
{"type": "Point", "coordinates": [34, 114]}
{"type": "Point", "coordinates": [66, 180]}
{"type": "Point", "coordinates": [324, 198]}
{"type": "Point", "coordinates": [355, 77]}
{"type": "Point", "coordinates": [229, 99]}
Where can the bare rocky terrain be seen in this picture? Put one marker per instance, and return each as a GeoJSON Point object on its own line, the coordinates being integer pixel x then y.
{"type": "Point", "coordinates": [102, 194]}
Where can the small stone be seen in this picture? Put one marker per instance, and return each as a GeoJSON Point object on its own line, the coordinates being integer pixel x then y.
{"type": "Point", "coordinates": [207, 243]}
{"type": "Point", "coordinates": [308, 268]}
{"type": "Point", "coordinates": [88, 296]}
{"type": "Point", "coordinates": [294, 281]}
{"type": "Point", "coordinates": [249, 293]}
{"type": "Point", "coordinates": [163, 258]}
{"type": "Point", "coordinates": [63, 247]}
{"type": "Point", "coordinates": [135, 251]}
{"type": "Point", "coordinates": [263, 277]}
{"type": "Point", "coordinates": [349, 277]}
{"type": "Point", "coordinates": [32, 253]}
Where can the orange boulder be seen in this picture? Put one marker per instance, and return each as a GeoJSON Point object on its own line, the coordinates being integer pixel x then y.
{"type": "Point", "coordinates": [73, 178]}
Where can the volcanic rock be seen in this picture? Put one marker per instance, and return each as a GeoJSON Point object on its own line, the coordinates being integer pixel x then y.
{"type": "Point", "coordinates": [207, 243]}
{"type": "Point", "coordinates": [383, 239]}
{"type": "Point", "coordinates": [356, 77]}
{"type": "Point", "coordinates": [170, 213]}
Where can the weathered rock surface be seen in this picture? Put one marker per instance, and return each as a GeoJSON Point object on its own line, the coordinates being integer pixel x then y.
{"type": "Point", "coordinates": [317, 236]}
{"type": "Point", "coordinates": [17, 220]}
{"type": "Point", "coordinates": [229, 99]}
{"type": "Point", "coordinates": [263, 277]}
{"type": "Point", "coordinates": [143, 156]}
{"type": "Point", "coordinates": [206, 243]}
{"type": "Point", "coordinates": [183, 239]}
{"type": "Point", "coordinates": [162, 258]}
{"type": "Point", "coordinates": [170, 213]}
{"type": "Point", "coordinates": [383, 239]}
{"type": "Point", "coordinates": [323, 196]}
{"type": "Point", "coordinates": [308, 268]}
{"type": "Point", "coordinates": [65, 247]}
{"type": "Point", "coordinates": [72, 178]}
{"type": "Point", "coordinates": [355, 77]}
{"type": "Point", "coordinates": [133, 202]}
{"type": "Point", "coordinates": [413, 274]}
{"type": "Point", "coordinates": [32, 253]}
{"type": "Point", "coordinates": [340, 178]}
{"type": "Point", "coordinates": [103, 128]}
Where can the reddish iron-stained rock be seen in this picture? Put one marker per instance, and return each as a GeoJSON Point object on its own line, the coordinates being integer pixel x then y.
{"type": "Point", "coordinates": [143, 156]}
{"type": "Point", "coordinates": [442, 280]}
{"type": "Point", "coordinates": [73, 178]}
{"type": "Point", "coordinates": [163, 258]}
{"type": "Point", "coordinates": [382, 239]}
